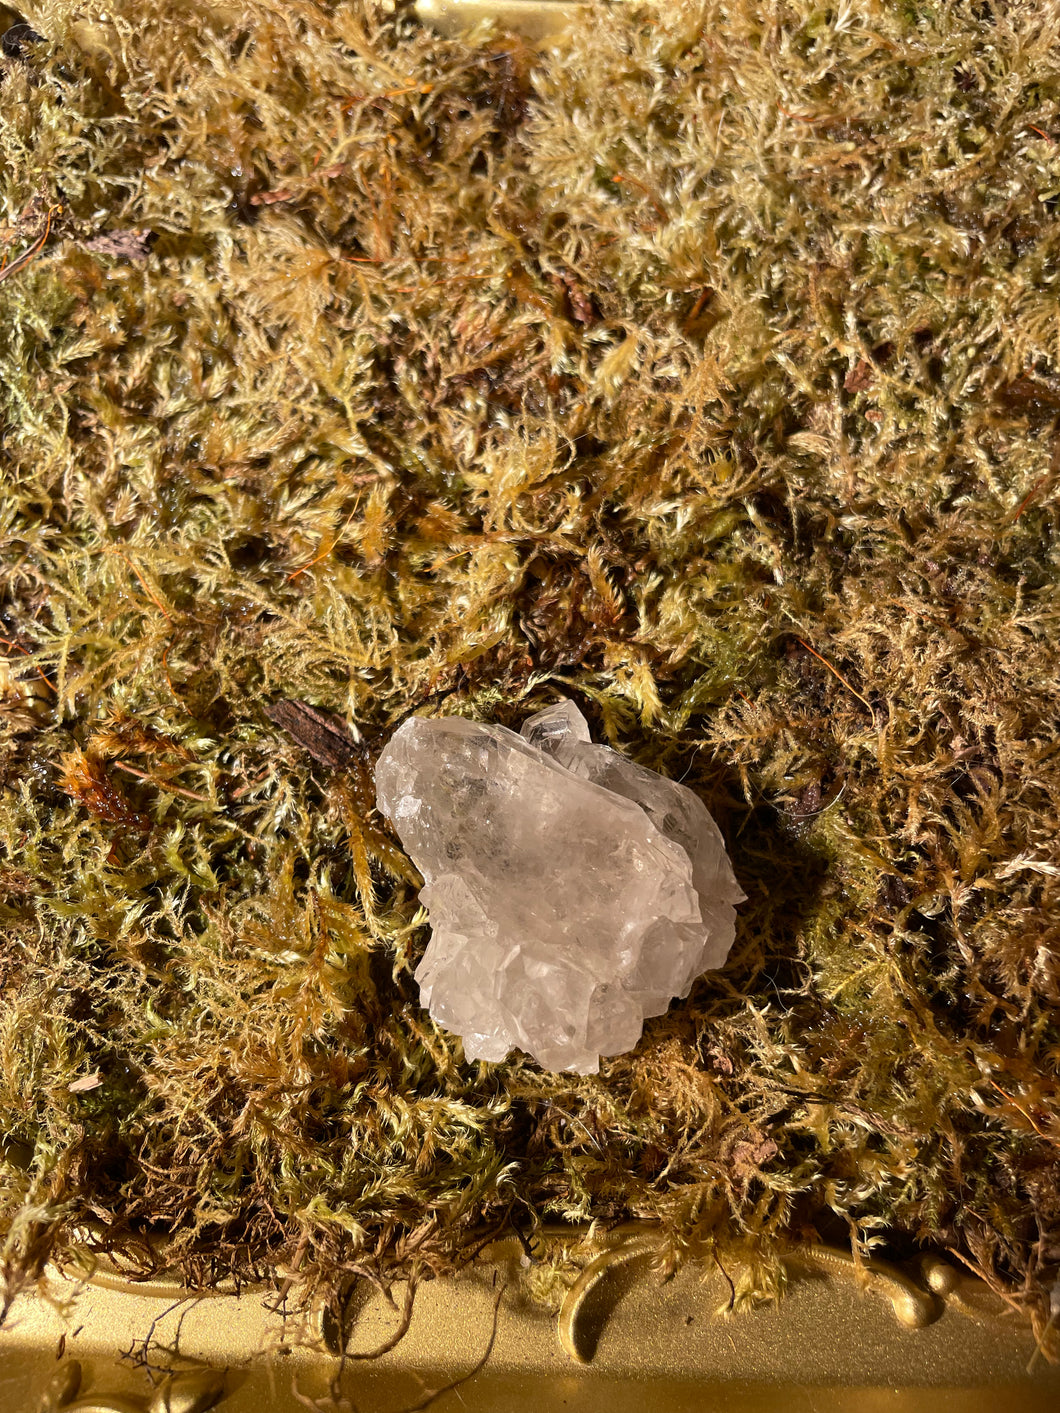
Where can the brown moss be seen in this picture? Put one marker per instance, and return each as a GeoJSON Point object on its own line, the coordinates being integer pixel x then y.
{"type": "Point", "coordinates": [703, 368]}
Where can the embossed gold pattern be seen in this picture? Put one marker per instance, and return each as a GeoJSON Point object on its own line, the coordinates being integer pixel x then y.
{"type": "Point", "coordinates": [913, 1305]}
{"type": "Point", "coordinates": [917, 1300]}
{"type": "Point", "coordinates": [180, 1393]}
{"type": "Point", "coordinates": [577, 1334]}
{"type": "Point", "coordinates": [635, 1336]}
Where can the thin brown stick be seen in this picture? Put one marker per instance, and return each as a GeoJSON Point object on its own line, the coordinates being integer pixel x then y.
{"type": "Point", "coordinates": [328, 548]}
{"type": "Point", "coordinates": [660, 209]}
{"type": "Point", "coordinates": [20, 263]}
{"type": "Point", "coordinates": [1029, 497]}
{"type": "Point", "coordinates": [1021, 1110]}
{"type": "Point", "coordinates": [146, 587]}
{"type": "Point", "coordinates": [251, 785]}
{"type": "Point", "coordinates": [161, 784]}
{"type": "Point", "coordinates": [836, 673]}
{"type": "Point", "coordinates": [10, 643]}
{"type": "Point", "coordinates": [350, 103]}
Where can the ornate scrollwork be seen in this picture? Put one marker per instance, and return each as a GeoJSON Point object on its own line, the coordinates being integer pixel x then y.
{"type": "Point", "coordinates": [917, 1297]}
{"type": "Point", "coordinates": [579, 1325]}
{"type": "Point", "coordinates": [180, 1393]}
{"type": "Point", "coordinates": [913, 1305]}
{"type": "Point", "coordinates": [917, 1300]}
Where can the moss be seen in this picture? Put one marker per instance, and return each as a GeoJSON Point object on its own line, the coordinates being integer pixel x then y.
{"type": "Point", "coordinates": [703, 369]}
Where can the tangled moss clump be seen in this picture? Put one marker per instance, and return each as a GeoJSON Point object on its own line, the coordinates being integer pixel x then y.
{"type": "Point", "coordinates": [704, 369]}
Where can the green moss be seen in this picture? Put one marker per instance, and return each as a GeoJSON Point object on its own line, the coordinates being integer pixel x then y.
{"type": "Point", "coordinates": [703, 369]}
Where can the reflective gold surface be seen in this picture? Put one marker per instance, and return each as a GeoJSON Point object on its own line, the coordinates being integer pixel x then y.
{"type": "Point", "coordinates": [840, 1339]}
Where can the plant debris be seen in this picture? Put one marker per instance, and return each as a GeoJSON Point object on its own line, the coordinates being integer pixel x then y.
{"type": "Point", "coordinates": [702, 369]}
{"type": "Point", "coordinates": [325, 736]}
{"type": "Point", "coordinates": [123, 245]}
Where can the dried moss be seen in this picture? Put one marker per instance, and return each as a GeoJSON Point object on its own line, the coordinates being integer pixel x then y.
{"type": "Point", "coordinates": [705, 370]}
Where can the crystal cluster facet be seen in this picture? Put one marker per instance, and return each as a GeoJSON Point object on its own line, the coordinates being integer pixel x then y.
{"type": "Point", "coordinates": [571, 893]}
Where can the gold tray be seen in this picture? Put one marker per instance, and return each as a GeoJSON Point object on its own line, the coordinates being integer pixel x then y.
{"type": "Point", "coordinates": [626, 1338]}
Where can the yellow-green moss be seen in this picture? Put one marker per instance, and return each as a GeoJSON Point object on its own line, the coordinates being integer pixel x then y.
{"type": "Point", "coordinates": [704, 369]}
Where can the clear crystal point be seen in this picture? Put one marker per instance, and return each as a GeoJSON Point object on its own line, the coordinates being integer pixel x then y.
{"type": "Point", "coordinates": [571, 892]}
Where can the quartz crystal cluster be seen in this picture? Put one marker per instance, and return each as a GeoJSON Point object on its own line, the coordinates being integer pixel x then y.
{"type": "Point", "coordinates": [571, 893]}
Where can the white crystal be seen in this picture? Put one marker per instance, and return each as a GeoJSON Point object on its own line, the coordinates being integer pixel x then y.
{"type": "Point", "coordinates": [571, 893]}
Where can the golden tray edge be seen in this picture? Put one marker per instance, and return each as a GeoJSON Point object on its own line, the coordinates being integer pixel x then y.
{"type": "Point", "coordinates": [627, 1335]}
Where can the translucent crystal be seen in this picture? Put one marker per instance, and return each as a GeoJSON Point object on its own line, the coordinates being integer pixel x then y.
{"type": "Point", "coordinates": [571, 893]}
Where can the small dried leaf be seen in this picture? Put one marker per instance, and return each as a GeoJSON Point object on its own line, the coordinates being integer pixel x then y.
{"type": "Point", "coordinates": [271, 198]}
{"type": "Point", "coordinates": [122, 245]}
{"type": "Point", "coordinates": [326, 737]}
{"type": "Point", "coordinates": [860, 377]}
{"type": "Point", "coordinates": [1037, 397]}
{"type": "Point", "coordinates": [85, 779]}
{"type": "Point", "coordinates": [747, 1158]}
{"type": "Point", "coordinates": [85, 1083]}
